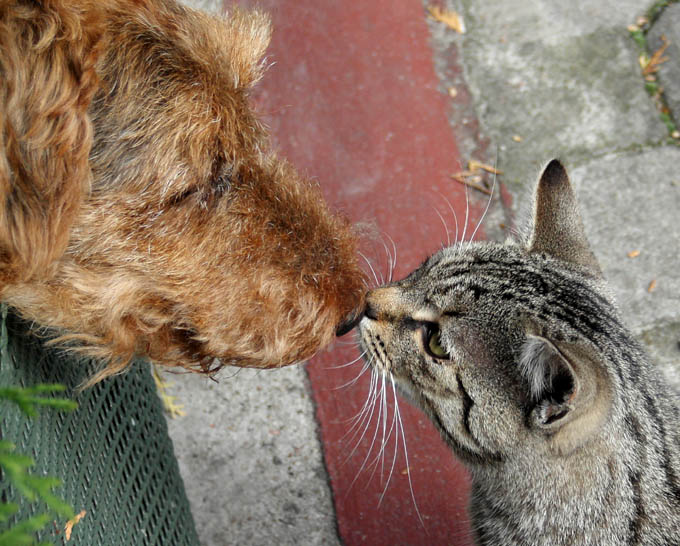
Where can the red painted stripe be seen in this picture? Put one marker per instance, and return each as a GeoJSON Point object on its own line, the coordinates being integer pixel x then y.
{"type": "Point", "coordinates": [353, 101]}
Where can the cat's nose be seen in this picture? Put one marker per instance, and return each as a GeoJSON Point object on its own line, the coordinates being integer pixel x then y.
{"type": "Point", "coordinates": [349, 323]}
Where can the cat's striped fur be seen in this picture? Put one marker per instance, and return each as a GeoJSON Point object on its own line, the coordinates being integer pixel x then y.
{"type": "Point", "coordinates": [519, 356]}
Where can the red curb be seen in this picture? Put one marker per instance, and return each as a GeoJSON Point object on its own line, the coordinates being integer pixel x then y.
{"type": "Point", "coordinates": [353, 100]}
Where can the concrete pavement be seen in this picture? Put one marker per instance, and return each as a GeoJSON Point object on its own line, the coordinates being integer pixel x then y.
{"type": "Point", "coordinates": [531, 80]}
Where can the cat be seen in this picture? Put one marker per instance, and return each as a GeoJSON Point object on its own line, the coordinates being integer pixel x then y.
{"type": "Point", "coordinates": [518, 355]}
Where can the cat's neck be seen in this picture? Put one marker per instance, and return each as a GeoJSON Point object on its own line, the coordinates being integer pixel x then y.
{"type": "Point", "coordinates": [566, 508]}
{"type": "Point", "coordinates": [604, 492]}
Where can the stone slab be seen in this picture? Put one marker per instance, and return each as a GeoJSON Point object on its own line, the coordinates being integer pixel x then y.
{"type": "Point", "coordinates": [561, 76]}
{"type": "Point", "coordinates": [630, 203]}
{"type": "Point", "coordinates": [250, 457]}
{"type": "Point", "coordinates": [579, 98]}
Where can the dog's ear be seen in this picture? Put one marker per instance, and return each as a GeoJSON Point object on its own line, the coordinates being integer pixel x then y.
{"type": "Point", "coordinates": [47, 80]}
{"type": "Point", "coordinates": [249, 33]}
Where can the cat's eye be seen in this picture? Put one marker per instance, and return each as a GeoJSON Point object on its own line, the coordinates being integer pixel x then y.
{"type": "Point", "coordinates": [433, 342]}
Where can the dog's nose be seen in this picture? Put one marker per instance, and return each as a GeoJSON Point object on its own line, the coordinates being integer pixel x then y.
{"type": "Point", "coordinates": [370, 311]}
{"type": "Point", "coordinates": [349, 323]}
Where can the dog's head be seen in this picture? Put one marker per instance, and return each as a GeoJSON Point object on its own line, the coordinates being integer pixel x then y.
{"type": "Point", "coordinates": [142, 211]}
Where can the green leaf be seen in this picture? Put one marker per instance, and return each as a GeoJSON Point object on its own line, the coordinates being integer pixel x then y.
{"type": "Point", "coordinates": [28, 399]}
{"type": "Point", "coordinates": [639, 38]}
{"type": "Point", "coordinates": [22, 533]}
{"type": "Point", "coordinates": [7, 510]}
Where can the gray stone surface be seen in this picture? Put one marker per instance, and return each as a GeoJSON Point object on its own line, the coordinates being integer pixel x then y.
{"type": "Point", "coordinates": [668, 26]}
{"type": "Point", "coordinates": [629, 202]}
{"type": "Point", "coordinates": [547, 21]}
{"type": "Point", "coordinates": [211, 6]}
{"type": "Point", "coordinates": [250, 458]}
{"type": "Point", "coordinates": [564, 90]}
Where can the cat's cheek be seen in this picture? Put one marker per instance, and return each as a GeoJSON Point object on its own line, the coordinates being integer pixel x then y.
{"type": "Point", "coordinates": [495, 418]}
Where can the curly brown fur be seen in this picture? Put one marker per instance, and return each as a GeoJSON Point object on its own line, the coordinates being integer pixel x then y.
{"type": "Point", "coordinates": [141, 211]}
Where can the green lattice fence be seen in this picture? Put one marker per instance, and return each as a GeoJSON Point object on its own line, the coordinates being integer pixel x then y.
{"type": "Point", "coordinates": [113, 453]}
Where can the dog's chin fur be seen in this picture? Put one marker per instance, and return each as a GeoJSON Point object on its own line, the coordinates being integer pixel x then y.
{"type": "Point", "coordinates": [142, 213]}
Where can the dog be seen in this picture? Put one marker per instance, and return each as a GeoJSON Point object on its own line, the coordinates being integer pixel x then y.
{"type": "Point", "coordinates": [142, 211]}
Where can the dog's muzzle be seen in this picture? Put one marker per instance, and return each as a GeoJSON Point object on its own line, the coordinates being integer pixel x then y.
{"type": "Point", "coordinates": [349, 323]}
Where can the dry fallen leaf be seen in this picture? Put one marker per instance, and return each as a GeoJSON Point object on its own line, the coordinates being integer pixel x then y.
{"type": "Point", "coordinates": [453, 92]}
{"type": "Point", "coordinates": [469, 179]}
{"type": "Point", "coordinates": [633, 253]}
{"type": "Point", "coordinates": [650, 65]}
{"type": "Point", "coordinates": [474, 165]}
{"type": "Point", "coordinates": [517, 138]}
{"type": "Point", "coordinates": [652, 286]}
{"type": "Point", "coordinates": [68, 528]}
{"type": "Point", "coordinates": [450, 18]}
{"type": "Point", "coordinates": [472, 176]}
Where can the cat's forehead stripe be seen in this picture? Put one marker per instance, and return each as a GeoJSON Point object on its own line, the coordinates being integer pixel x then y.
{"type": "Point", "coordinates": [542, 288]}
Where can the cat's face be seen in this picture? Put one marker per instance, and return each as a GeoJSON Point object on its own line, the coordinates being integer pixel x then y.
{"type": "Point", "coordinates": [498, 343]}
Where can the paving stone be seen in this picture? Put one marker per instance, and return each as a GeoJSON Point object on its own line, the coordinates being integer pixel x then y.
{"type": "Point", "coordinates": [630, 203]}
{"type": "Point", "coordinates": [548, 21]}
{"type": "Point", "coordinates": [250, 458]}
{"type": "Point", "coordinates": [574, 99]}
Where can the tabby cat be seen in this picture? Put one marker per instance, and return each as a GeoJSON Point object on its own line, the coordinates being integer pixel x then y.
{"type": "Point", "coordinates": [518, 355]}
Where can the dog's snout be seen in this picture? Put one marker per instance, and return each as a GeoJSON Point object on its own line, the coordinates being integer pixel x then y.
{"type": "Point", "coordinates": [349, 323]}
{"type": "Point", "coordinates": [370, 311]}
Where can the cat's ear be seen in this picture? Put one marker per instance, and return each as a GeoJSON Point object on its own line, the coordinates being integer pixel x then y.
{"type": "Point", "coordinates": [557, 226]}
{"type": "Point", "coordinates": [570, 392]}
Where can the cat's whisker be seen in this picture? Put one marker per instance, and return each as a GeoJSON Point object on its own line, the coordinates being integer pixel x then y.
{"type": "Point", "coordinates": [467, 212]}
{"type": "Point", "coordinates": [359, 416]}
{"type": "Point", "coordinates": [383, 447]}
{"type": "Point", "coordinates": [382, 443]}
{"type": "Point", "coordinates": [375, 433]}
{"type": "Point", "coordinates": [373, 398]}
{"type": "Point", "coordinates": [389, 259]}
{"type": "Point", "coordinates": [396, 442]}
{"type": "Point", "coordinates": [370, 265]}
{"type": "Point", "coordinates": [382, 418]}
{"type": "Point", "coordinates": [408, 468]}
{"type": "Point", "coordinates": [453, 213]}
{"type": "Point", "coordinates": [446, 228]}
{"type": "Point", "coordinates": [486, 210]}
{"type": "Point", "coordinates": [488, 203]}
{"type": "Point", "coordinates": [353, 381]}
{"type": "Point", "coordinates": [388, 253]}
{"type": "Point", "coordinates": [348, 363]}
{"type": "Point", "coordinates": [393, 265]}
{"type": "Point", "coordinates": [365, 421]}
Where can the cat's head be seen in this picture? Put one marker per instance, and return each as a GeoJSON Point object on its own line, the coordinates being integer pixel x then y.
{"type": "Point", "coordinates": [505, 347]}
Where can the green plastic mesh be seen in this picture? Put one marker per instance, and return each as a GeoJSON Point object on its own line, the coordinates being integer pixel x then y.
{"type": "Point", "coordinates": [113, 454]}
